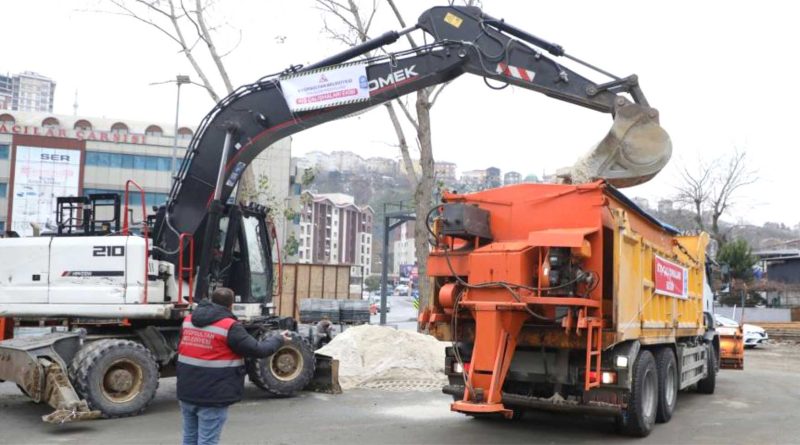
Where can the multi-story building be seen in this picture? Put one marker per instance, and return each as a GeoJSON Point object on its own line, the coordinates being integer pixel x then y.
{"type": "Point", "coordinates": [43, 156]}
{"type": "Point", "coordinates": [643, 203]}
{"type": "Point", "coordinates": [512, 178]}
{"type": "Point", "coordinates": [445, 171]}
{"type": "Point", "coordinates": [382, 166]}
{"type": "Point", "coordinates": [473, 180]}
{"type": "Point", "coordinates": [332, 229]}
{"type": "Point", "coordinates": [403, 250]}
{"type": "Point", "coordinates": [6, 92]}
{"type": "Point", "coordinates": [27, 91]}
{"type": "Point", "coordinates": [493, 179]}
{"type": "Point", "coordinates": [474, 176]}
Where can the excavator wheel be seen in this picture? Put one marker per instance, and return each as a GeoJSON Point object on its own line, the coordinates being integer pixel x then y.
{"type": "Point", "coordinates": [285, 372]}
{"type": "Point", "coordinates": [117, 377]}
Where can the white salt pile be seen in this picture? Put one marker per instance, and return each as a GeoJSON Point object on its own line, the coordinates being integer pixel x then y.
{"type": "Point", "coordinates": [379, 357]}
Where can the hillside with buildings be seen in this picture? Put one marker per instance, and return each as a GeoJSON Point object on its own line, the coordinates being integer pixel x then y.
{"type": "Point", "coordinates": [379, 184]}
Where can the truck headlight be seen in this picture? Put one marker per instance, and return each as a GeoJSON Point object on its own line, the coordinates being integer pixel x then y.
{"type": "Point", "coordinates": [458, 368]}
{"type": "Point", "coordinates": [622, 361]}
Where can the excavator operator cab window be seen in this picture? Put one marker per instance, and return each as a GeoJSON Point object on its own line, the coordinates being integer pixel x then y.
{"type": "Point", "coordinates": [242, 255]}
{"type": "Point", "coordinates": [260, 283]}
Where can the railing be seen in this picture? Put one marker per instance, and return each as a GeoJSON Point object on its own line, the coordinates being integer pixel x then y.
{"type": "Point", "coordinates": [126, 229]}
{"type": "Point", "coordinates": [181, 268]}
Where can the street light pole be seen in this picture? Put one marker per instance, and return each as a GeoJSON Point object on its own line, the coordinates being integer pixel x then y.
{"type": "Point", "coordinates": [180, 80]}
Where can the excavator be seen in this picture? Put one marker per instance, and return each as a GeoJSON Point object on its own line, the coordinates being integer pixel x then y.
{"type": "Point", "coordinates": [122, 290]}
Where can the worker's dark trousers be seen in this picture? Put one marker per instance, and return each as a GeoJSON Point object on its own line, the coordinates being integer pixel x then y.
{"type": "Point", "coordinates": [202, 425]}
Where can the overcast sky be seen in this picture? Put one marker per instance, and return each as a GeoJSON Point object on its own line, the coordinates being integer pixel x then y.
{"type": "Point", "coordinates": [722, 75]}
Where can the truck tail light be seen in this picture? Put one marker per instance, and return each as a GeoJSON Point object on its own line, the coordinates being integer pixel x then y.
{"type": "Point", "coordinates": [609, 378]}
{"type": "Point", "coordinates": [459, 368]}
{"type": "Point", "coordinates": [606, 377]}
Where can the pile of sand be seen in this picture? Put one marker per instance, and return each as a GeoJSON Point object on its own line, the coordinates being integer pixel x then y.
{"type": "Point", "coordinates": [379, 357]}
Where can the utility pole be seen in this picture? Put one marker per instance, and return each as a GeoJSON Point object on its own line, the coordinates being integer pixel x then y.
{"type": "Point", "coordinates": [390, 222]}
{"type": "Point", "coordinates": [180, 80]}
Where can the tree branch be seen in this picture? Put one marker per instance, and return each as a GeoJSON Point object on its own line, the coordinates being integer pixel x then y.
{"type": "Point", "coordinates": [401, 139]}
{"type": "Point", "coordinates": [238, 42]}
{"type": "Point", "coordinates": [212, 49]}
{"type": "Point", "coordinates": [329, 8]}
{"type": "Point", "coordinates": [146, 21]}
{"type": "Point", "coordinates": [402, 22]}
{"type": "Point", "coordinates": [410, 118]}
{"type": "Point", "coordinates": [191, 20]}
{"type": "Point", "coordinates": [437, 92]}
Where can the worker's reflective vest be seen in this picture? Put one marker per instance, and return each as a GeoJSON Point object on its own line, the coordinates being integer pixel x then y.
{"type": "Point", "coordinates": [207, 346]}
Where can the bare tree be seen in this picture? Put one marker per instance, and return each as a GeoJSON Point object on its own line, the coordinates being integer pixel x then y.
{"type": "Point", "coordinates": [695, 188]}
{"type": "Point", "coordinates": [712, 189]}
{"type": "Point", "coordinates": [187, 26]}
{"type": "Point", "coordinates": [357, 31]}
{"type": "Point", "coordinates": [733, 175]}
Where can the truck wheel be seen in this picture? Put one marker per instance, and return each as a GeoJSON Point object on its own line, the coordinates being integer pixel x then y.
{"type": "Point", "coordinates": [117, 377]}
{"type": "Point", "coordinates": [667, 384]}
{"type": "Point", "coordinates": [708, 384]}
{"type": "Point", "coordinates": [639, 417]}
{"type": "Point", "coordinates": [285, 372]}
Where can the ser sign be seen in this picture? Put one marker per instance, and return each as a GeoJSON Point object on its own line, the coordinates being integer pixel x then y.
{"type": "Point", "coordinates": [671, 279]}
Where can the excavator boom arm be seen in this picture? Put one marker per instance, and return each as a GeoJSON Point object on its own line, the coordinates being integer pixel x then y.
{"type": "Point", "coordinates": [464, 40]}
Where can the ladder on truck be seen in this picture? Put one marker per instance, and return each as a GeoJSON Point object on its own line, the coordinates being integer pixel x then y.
{"type": "Point", "coordinates": [591, 319]}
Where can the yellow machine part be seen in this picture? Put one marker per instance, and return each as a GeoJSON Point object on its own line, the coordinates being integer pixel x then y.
{"type": "Point", "coordinates": [731, 348]}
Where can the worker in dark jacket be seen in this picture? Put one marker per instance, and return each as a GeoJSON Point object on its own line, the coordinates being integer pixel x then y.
{"type": "Point", "coordinates": [210, 366]}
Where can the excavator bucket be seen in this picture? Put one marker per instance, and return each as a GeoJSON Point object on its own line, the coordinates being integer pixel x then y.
{"type": "Point", "coordinates": [731, 347]}
{"type": "Point", "coordinates": [326, 375]}
{"type": "Point", "coordinates": [634, 150]}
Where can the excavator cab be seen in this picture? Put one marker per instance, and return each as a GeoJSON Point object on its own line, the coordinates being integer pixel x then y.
{"type": "Point", "coordinates": [242, 254]}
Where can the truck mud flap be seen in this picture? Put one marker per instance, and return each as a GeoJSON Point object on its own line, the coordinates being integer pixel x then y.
{"type": "Point", "coordinates": [326, 375]}
{"type": "Point", "coordinates": [38, 366]}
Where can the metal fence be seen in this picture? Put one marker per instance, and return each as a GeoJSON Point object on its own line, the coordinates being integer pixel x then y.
{"type": "Point", "coordinates": [756, 314]}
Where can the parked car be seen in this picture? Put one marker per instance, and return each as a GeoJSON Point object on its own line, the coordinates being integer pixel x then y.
{"type": "Point", "coordinates": [401, 289]}
{"type": "Point", "coordinates": [753, 335]}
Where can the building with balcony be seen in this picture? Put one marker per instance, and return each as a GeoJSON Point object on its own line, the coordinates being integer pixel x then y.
{"type": "Point", "coordinates": [332, 229]}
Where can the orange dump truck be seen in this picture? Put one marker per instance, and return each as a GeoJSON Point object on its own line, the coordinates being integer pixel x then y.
{"type": "Point", "coordinates": [568, 298]}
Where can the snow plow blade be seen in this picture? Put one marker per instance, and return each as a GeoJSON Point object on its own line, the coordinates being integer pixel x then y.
{"type": "Point", "coordinates": [633, 152]}
{"type": "Point", "coordinates": [38, 366]}
{"type": "Point", "coordinates": [731, 348]}
{"type": "Point", "coordinates": [326, 375]}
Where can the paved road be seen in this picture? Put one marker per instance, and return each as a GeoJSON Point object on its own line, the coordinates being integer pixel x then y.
{"type": "Point", "coordinates": [760, 405]}
{"type": "Point", "coordinates": [402, 314]}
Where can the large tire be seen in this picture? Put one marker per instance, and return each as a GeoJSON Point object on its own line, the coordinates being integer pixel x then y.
{"type": "Point", "coordinates": [287, 371]}
{"type": "Point", "coordinates": [117, 377]}
{"type": "Point", "coordinates": [639, 417]}
{"type": "Point", "coordinates": [668, 384]}
{"type": "Point", "coordinates": [708, 384]}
